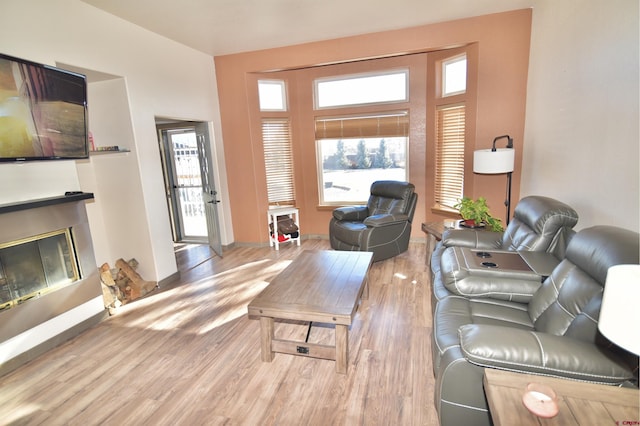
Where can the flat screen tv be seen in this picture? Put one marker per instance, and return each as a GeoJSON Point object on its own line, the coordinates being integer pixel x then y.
{"type": "Point", "coordinates": [43, 112]}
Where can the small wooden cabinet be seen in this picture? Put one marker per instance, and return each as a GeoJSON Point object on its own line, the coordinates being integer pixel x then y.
{"type": "Point", "coordinates": [272, 219]}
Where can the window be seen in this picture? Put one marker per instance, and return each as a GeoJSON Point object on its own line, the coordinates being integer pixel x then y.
{"type": "Point", "coordinates": [355, 151]}
{"type": "Point", "coordinates": [454, 76]}
{"type": "Point", "coordinates": [278, 161]}
{"type": "Point", "coordinates": [272, 95]}
{"type": "Point", "coordinates": [452, 119]}
{"type": "Point", "coordinates": [276, 141]}
{"type": "Point", "coordinates": [450, 137]}
{"type": "Point", "coordinates": [361, 89]}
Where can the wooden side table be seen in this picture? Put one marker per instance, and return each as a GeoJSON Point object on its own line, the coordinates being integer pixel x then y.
{"type": "Point", "coordinates": [434, 232]}
{"type": "Point", "coordinates": [580, 403]}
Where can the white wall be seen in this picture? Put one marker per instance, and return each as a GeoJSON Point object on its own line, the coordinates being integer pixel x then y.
{"type": "Point", "coordinates": [582, 121]}
{"type": "Point", "coordinates": [163, 78]}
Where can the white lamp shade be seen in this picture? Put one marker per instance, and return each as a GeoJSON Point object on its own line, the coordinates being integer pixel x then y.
{"type": "Point", "coordinates": [501, 160]}
{"type": "Point", "coordinates": [619, 313]}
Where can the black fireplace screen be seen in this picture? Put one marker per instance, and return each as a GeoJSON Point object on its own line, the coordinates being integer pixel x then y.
{"type": "Point", "coordinates": [37, 265]}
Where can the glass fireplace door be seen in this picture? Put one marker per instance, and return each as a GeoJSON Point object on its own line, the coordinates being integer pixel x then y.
{"type": "Point", "coordinates": [36, 265]}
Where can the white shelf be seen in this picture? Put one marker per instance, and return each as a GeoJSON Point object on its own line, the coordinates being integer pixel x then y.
{"type": "Point", "coordinates": [272, 218]}
{"type": "Point", "coordinates": [108, 152]}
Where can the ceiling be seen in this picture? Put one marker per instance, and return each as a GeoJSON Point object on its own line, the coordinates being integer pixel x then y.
{"type": "Point", "coordinates": [220, 27]}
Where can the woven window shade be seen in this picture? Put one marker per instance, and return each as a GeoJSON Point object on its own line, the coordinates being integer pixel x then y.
{"type": "Point", "coordinates": [278, 161]}
{"type": "Point", "coordinates": [450, 137]}
{"type": "Point", "coordinates": [386, 125]}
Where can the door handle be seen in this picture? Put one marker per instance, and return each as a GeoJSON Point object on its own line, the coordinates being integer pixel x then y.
{"type": "Point", "coordinates": [213, 201]}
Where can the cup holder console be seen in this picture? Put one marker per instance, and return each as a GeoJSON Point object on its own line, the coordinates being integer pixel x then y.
{"type": "Point", "coordinates": [489, 265]}
{"type": "Point", "coordinates": [483, 254]}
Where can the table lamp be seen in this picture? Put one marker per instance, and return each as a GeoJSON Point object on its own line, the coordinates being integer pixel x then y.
{"type": "Point", "coordinates": [619, 313]}
{"type": "Point", "coordinates": [497, 161]}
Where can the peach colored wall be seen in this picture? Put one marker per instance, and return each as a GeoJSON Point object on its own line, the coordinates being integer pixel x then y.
{"type": "Point", "coordinates": [503, 56]}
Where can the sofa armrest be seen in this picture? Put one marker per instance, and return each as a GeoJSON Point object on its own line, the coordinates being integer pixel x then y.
{"type": "Point", "coordinates": [379, 220]}
{"type": "Point", "coordinates": [533, 352]}
{"type": "Point", "coordinates": [472, 238]}
{"type": "Point", "coordinates": [358, 213]}
{"type": "Point", "coordinates": [461, 276]}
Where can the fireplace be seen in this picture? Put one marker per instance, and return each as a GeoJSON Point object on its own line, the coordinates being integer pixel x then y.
{"type": "Point", "coordinates": [34, 266]}
{"type": "Point", "coordinates": [49, 282]}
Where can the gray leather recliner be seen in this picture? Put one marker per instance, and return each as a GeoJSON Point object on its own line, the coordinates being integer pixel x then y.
{"type": "Point", "coordinates": [539, 224]}
{"type": "Point", "coordinates": [382, 226]}
{"type": "Point", "coordinates": [554, 334]}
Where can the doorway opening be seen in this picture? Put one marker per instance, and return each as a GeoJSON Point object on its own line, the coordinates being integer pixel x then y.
{"type": "Point", "coordinates": [184, 185]}
{"type": "Point", "coordinates": [185, 151]}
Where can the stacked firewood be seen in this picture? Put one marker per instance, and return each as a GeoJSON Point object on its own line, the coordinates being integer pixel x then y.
{"type": "Point", "coordinates": [123, 284]}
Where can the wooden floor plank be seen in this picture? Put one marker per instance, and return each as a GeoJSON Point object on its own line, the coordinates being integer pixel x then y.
{"type": "Point", "coordinates": [189, 354]}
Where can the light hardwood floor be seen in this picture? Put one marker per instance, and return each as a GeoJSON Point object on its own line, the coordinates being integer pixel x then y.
{"type": "Point", "coordinates": [188, 354]}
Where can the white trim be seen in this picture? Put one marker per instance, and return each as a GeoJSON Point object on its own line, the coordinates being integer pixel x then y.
{"type": "Point", "coordinates": [33, 337]}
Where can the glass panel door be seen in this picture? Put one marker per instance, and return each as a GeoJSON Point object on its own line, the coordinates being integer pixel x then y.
{"type": "Point", "coordinates": [37, 265]}
{"type": "Point", "coordinates": [187, 185]}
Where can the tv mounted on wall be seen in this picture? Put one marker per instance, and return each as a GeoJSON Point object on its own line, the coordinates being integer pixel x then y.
{"type": "Point", "coordinates": [43, 112]}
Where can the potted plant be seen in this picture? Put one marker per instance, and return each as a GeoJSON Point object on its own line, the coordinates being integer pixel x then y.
{"type": "Point", "coordinates": [475, 214]}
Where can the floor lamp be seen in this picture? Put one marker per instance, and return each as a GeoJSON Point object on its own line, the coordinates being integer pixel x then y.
{"type": "Point", "coordinates": [497, 161]}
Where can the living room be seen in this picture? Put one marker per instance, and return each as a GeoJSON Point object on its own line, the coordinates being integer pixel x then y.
{"type": "Point", "coordinates": [580, 98]}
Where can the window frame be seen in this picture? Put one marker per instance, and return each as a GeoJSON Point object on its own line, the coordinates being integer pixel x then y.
{"type": "Point", "coordinates": [443, 73]}
{"type": "Point", "coordinates": [283, 93]}
{"type": "Point", "coordinates": [354, 76]}
{"type": "Point", "coordinates": [436, 99]}
{"type": "Point", "coordinates": [383, 131]}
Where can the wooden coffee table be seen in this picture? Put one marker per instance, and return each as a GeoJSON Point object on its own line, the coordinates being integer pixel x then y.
{"type": "Point", "coordinates": [318, 286]}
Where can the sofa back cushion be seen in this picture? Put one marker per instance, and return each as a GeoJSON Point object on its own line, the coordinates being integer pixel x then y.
{"type": "Point", "coordinates": [540, 224]}
{"type": "Point", "coordinates": [568, 302]}
{"type": "Point", "coordinates": [390, 197]}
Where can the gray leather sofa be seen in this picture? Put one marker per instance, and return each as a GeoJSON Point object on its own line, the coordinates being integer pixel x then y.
{"type": "Point", "coordinates": [383, 226]}
{"type": "Point", "coordinates": [539, 224]}
{"type": "Point", "coordinates": [554, 334]}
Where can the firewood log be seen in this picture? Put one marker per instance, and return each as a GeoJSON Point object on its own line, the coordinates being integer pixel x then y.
{"type": "Point", "coordinates": [105, 275]}
{"type": "Point", "coordinates": [137, 286]}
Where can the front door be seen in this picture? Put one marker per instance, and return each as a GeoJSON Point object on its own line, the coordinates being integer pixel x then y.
{"type": "Point", "coordinates": [209, 192]}
{"type": "Point", "coordinates": [184, 184]}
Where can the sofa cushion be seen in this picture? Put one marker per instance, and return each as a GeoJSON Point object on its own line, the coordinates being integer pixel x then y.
{"type": "Point", "coordinates": [390, 197]}
{"type": "Point", "coordinates": [568, 302]}
{"type": "Point", "coordinates": [540, 353]}
{"type": "Point", "coordinates": [348, 232]}
{"type": "Point", "coordinates": [453, 312]}
{"type": "Point", "coordinates": [536, 223]}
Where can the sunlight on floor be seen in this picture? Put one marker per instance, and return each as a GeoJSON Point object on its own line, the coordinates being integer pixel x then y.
{"type": "Point", "coordinates": [23, 411]}
{"type": "Point", "coordinates": [403, 277]}
{"type": "Point", "coordinates": [235, 288]}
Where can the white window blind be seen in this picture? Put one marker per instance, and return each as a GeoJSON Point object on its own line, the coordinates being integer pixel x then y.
{"type": "Point", "coordinates": [450, 131]}
{"type": "Point", "coordinates": [278, 161]}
